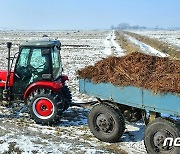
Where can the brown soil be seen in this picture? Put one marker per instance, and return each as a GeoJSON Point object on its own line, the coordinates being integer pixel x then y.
{"type": "Point", "coordinates": [137, 69]}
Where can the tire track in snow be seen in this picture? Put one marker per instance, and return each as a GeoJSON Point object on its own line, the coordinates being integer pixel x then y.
{"type": "Point", "coordinates": [112, 48]}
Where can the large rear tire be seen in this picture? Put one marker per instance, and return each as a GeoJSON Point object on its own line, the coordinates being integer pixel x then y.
{"type": "Point", "coordinates": [67, 95]}
{"type": "Point", "coordinates": [106, 122]}
{"type": "Point", "coordinates": [155, 134]}
{"type": "Point", "coordinates": [45, 106]}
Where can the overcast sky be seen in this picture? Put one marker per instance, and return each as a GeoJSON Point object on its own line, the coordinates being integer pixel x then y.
{"type": "Point", "coordinates": [87, 14]}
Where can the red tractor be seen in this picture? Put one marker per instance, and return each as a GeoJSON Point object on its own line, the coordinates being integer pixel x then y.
{"type": "Point", "coordinates": [37, 80]}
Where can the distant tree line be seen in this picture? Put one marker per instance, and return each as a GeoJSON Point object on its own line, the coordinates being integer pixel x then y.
{"type": "Point", "coordinates": [124, 26]}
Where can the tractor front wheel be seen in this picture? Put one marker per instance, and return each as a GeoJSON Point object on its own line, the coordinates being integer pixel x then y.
{"type": "Point", "coordinates": [45, 107]}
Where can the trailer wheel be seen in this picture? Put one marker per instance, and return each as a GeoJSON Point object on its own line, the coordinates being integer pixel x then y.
{"type": "Point", "coordinates": [45, 107]}
{"type": "Point", "coordinates": [106, 122]}
{"type": "Point", "coordinates": [155, 134]}
{"type": "Point", "coordinates": [67, 95]}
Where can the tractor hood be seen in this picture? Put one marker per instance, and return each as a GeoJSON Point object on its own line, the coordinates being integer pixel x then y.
{"type": "Point", "coordinates": [3, 75]}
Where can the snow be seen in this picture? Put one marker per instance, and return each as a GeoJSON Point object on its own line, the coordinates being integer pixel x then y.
{"type": "Point", "coordinates": [133, 140]}
{"type": "Point", "coordinates": [25, 143]}
{"type": "Point", "coordinates": [168, 36]}
{"type": "Point", "coordinates": [72, 134]}
{"type": "Point", "coordinates": [111, 46]}
{"type": "Point", "coordinates": [146, 48]}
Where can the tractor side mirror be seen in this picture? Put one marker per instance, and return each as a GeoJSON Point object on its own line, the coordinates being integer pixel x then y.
{"type": "Point", "coordinates": [59, 47]}
{"type": "Point", "coordinates": [46, 76]}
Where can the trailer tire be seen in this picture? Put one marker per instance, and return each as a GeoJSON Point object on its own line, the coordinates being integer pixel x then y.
{"type": "Point", "coordinates": [156, 132]}
{"type": "Point", "coordinates": [106, 122]}
{"type": "Point", "coordinates": [45, 107]}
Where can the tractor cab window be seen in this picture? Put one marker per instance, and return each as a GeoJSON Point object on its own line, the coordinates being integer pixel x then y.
{"type": "Point", "coordinates": [22, 73]}
{"type": "Point", "coordinates": [56, 62]}
{"type": "Point", "coordinates": [22, 70]}
{"type": "Point", "coordinates": [32, 64]}
{"type": "Point", "coordinates": [23, 59]}
{"type": "Point", "coordinates": [39, 63]}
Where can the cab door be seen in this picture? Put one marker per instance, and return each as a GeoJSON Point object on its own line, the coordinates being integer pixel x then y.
{"type": "Point", "coordinates": [22, 74]}
{"type": "Point", "coordinates": [32, 63]}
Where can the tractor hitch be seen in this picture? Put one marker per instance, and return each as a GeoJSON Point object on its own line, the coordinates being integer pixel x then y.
{"type": "Point", "coordinates": [70, 104]}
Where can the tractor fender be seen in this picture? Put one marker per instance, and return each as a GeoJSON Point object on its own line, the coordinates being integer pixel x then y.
{"type": "Point", "coordinates": [3, 76]}
{"type": "Point", "coordinates": [53, 85]}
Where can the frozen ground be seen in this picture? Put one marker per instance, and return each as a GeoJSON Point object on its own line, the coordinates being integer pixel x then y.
{"type": "Point", "coordinates": [111, 46]}
{"type": "Point", "coordinates": [146, 48]}
{"type": "Point", "coordinates": [168, 36]}
{"type": "Point", "coordinates": [20, 134]}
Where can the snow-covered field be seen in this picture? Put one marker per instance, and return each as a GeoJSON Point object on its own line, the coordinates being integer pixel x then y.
{"type": "Point", "coordinates": [146, 48]}
{"type": "Point", "coordinates": [20, 134]}
{"type": "Point", "coordinates": [168, 36]}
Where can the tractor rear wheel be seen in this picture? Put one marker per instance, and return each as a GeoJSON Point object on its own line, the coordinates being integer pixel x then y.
{"type": "Point", "coordinates": [45, 107]}
{"type": "Point", "coordinates": [67, 95]}
{"type": "Point", "coordinates": [106, 122]}
{"type": "Point", "coordinates": [155, 134]}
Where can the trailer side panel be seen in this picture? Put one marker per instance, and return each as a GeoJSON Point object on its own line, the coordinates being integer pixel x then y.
{"type": "Point", "coordinates": [133, 96]}
{"type": "Point", "coordinates": [164, 103]}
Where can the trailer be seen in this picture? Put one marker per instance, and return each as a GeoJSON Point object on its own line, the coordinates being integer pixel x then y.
{"type": "Point", "coordinates": [116, 104]}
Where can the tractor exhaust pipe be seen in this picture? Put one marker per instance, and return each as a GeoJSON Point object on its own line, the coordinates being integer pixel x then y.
{"type": "Point", "coordinates": [9, 44]}
{"type": "Point", "coordinates": [6, 91]}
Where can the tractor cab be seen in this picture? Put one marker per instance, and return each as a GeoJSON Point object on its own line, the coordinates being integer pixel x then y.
{"type": "Point", "coordinates": [37, 80]}
{"type": "Point", "coordinates": [37, 61]}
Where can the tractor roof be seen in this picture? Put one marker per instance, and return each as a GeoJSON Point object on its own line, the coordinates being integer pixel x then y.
{"type": "Point", "coordinates": [41, 43]}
